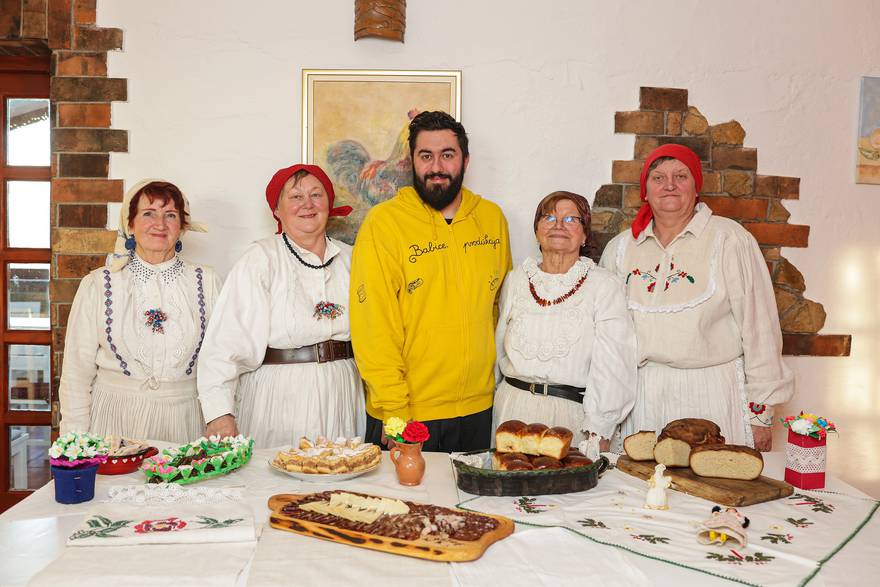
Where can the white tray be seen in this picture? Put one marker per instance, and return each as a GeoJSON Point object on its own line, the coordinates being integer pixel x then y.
{"type": "Point", "coordinates": [323, 477]}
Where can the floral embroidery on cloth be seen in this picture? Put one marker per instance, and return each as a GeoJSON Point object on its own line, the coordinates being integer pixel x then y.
{"type": "Point", "coordinates": [166, 525]}
{"type": "Point", "coordinates": [652, 277]}
{"type": "Point", "coordinates": [328, 310]}
{"type": "Point", "coordinates": [155, 318]}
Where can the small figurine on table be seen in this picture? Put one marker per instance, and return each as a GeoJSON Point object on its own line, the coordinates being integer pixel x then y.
{"type": "Point", "coordinates": [657, 486]}
{"type": "Point", "coordinates": [724, 525]}
{"type": "Point", "coordinates": [590, 447]}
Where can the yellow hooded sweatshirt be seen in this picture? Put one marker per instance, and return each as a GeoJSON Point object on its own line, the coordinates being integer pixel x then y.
{"type": "Point", "coordinates": [423, 306]}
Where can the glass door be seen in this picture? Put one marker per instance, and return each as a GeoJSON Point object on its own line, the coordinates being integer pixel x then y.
{"type": "Point", "coordinates": [26, 356]}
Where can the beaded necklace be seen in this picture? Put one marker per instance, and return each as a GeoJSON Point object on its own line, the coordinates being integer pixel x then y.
{"type": "Point", "coordinates": [544, 303]}
{"type": "Point", "coordinates": [300, 259]}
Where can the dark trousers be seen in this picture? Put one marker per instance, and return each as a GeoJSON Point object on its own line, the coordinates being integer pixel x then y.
{"type": "Point", "coordinates": [466, 433]}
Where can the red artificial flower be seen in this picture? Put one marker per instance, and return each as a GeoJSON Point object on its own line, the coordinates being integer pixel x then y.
{"type": "Point", "coordinates": [415, 432]}
{"type": "Point", "coordinates": [757, 408]}
{"type": "Point", "coordinates": [166, 525]}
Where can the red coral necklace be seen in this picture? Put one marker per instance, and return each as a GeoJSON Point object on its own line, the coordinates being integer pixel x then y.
{"type": "Point", "coordinates": [544, 303]}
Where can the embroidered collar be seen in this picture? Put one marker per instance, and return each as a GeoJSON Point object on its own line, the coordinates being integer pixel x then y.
{"type": "Point", "coordinates": [568, 279]}
{"type": "Point", "coordinates": [695, 227]}
{"type": "Point", "coordinates": [168, 270]}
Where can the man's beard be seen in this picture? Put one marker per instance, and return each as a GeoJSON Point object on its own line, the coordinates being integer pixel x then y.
{"type": "Point", "coordinates": [436, 196]}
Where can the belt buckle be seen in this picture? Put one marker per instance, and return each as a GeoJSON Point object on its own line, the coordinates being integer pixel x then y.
{"type": "Point", "coordinates": [322, 357]}
{"type": "Point", "coordinates": [533, 392]}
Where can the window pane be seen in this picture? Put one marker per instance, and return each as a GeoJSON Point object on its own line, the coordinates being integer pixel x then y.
{"type": "Point", "coordinates": [28, 217]}
{"type": "Point", "coordinates": [28, 458]}
{"type": "Point", "coordinates": [29, 377]}
{"type": "Point", "coordinates": [28, 296]}
{"type": "Point", "coordinates": [27, 131]}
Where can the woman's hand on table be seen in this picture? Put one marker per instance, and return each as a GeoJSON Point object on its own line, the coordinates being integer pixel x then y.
{"type": "Point", "coordinates": [604, 445]}
{"type": "Point", "coordinates": [763, 438]}
{"type": "Point", "coordinates": [222, 426]}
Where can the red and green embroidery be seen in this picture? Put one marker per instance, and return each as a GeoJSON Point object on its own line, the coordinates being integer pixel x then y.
{"type": "Point", "coordinates": [527, 505]}
{"type": "Point", "coordinates": [591, 523]}
{"type": "Point", "coordinates": [799, 523]}
{"type": "Point", "coordinates": [650, 278]}
{"type": "Point", "coordinates": [816, 504]}
{"type": "Point", "coordinates": [759, 558]}
{"type": "Point", "coordinates": [776, 538]}
{"type": "Point", "coordinates": [653, 539]}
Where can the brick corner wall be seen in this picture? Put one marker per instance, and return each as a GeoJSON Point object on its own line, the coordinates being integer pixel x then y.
{"type": "Point", "coordinates": [732, 187]}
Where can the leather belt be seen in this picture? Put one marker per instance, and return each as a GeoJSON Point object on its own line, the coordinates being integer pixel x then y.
{"type": "Point", "coordinates": [322, 352]}
{"type": "Point", "coordinates": [569, 392]}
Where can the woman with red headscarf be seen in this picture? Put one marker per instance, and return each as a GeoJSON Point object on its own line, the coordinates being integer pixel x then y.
{"type": "Point", "coordinates": [277, 362]}
{"type": "Point", "coordinates": [708, 331]}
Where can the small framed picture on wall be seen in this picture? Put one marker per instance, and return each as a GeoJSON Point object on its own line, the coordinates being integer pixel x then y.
{"type": "Point", "coordinates": [868, 147]}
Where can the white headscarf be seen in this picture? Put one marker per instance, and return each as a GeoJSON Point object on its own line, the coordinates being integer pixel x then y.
{"type": "Point", "coordinates": [120, 255]}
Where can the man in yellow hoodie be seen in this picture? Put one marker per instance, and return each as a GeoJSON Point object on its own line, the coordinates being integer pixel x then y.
{"type": "Point", "coordinates": [427, 270]}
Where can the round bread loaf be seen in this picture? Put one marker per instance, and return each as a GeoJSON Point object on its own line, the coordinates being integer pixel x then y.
{"type": "Point", "coordinates": [508, 436]}
{"type": "Point", "coordinates": [517, 465]}
{"type": "Point", "coordinates": [576, 461]}
{"type": "Point", "coordinates": [546, 463]}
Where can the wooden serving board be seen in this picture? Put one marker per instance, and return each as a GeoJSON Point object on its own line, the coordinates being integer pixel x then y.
{"type": "Point", "coordinates": [729, 492]}
{"type": "Point", "coordinates": [448, 550]}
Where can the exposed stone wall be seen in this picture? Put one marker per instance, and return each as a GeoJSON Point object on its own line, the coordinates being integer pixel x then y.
{"type": "Point", "coordinates": [82, 140]}
{"type": "Point", "coordinates": [732, 187]}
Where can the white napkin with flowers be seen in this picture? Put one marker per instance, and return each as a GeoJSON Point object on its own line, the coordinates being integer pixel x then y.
{"type": "Point", "coordinates": [175, 523]}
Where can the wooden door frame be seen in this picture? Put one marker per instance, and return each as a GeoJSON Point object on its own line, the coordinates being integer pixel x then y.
{"type": "Point", "coordinates": [20, 77]}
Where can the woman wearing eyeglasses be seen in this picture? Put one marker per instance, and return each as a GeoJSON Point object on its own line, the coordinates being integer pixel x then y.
{"type": "Point", "coordinates": [566, 343]}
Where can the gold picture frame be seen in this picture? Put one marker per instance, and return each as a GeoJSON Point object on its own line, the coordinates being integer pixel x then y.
{"type": "Point", "coordinates": [355, 127]}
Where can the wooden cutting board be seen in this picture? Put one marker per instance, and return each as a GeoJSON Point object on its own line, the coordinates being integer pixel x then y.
{"type": "Point", "coordinates": [436, 549]}
{"type": "Point", "coordinates": [729, 492]}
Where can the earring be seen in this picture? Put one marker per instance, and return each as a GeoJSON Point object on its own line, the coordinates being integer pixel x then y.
{"type": "Point", "coordinates": [178, 246]}
{"type": "Point", "coordinates": [130, 243]}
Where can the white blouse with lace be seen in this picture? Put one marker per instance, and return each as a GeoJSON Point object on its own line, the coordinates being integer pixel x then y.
{"type": "Point", "coordinates": [704, 300]}
{"type": "Point", "coordinates": [113, 346]}
{"type": "Point", "coordinates": [586, 340]}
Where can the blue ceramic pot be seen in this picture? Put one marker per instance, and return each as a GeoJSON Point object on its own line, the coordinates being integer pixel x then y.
{"type": "Point", "coordinates": [74, 485]}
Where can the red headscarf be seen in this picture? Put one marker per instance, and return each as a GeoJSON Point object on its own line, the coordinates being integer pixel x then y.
{"type": "Point", "coordinates": [683, 154]}
{"type": "Point", "coordinates": [273, 190]}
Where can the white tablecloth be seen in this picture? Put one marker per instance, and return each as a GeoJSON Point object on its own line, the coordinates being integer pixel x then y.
{"type": "Point", "coordinates": [34, 532]}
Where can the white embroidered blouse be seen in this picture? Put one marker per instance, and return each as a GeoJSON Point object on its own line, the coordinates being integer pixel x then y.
{"type": "Point", "coordinates": [703, 300]}
{"type": "Point", "coordinates": [269, 300]}
{"type": "Point", "coordinates": [587, 340]}
{"type": "Point", "coordinates": [108, 330]}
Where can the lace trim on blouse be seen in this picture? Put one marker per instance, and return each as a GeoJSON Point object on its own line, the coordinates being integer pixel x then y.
{"type": "Point", "coordinates": [711, 284]}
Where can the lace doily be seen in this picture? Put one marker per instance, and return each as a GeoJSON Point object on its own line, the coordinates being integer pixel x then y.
{"type": "Point", "coordinates": [805, 460]}
{"type": "Point", "coordinates": [159, 493]}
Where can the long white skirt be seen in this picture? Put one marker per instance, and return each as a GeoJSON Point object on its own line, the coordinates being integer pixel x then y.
{"type": "Point", "coordinates": [714, 393]}
{"type": "Point", "coordinates": [512, 403]}
{"type": "Point", "coordinates": [278, 404]}
{"type": "Point", "coordinates": [127, 407]}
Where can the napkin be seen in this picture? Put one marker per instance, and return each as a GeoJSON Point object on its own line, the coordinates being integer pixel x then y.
{"type": "Point", "coordinates": [117, 524]}
{"type": "Point", "coordinates": [565, 559]}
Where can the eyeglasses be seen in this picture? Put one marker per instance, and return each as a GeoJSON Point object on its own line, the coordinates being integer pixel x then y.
{"type": "Point", "coordinates": [550, 220]}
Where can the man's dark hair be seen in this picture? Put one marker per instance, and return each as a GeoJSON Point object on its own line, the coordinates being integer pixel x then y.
{"type": "Point", "coordinates": [436, 120]}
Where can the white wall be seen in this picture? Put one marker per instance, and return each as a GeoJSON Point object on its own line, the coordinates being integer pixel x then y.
{"type": "Point", "coordinates": [214, 105]}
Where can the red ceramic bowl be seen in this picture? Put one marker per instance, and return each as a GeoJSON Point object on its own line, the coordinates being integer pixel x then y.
{"type": "Point", "coordinates": [126, 464]}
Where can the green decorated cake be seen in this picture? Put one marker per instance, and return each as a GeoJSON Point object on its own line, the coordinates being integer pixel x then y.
{"type": "Point", "coordinates": [200, 459]}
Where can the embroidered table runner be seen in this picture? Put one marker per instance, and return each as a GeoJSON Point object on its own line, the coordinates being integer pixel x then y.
{"type": "Point", "coordinates": [788, 539]}
{"type": "Point", "coordinates": [123, 524]}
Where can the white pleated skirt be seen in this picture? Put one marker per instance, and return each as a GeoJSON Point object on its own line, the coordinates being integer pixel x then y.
{"type": "Point", "coordinates": [715, 393]}
{"type": "Point", "coordinates": [512, 403]}
{"type": "Point", "coordinates": [123, 406]}
{"type": "Point", "coordinates": [276, 405]}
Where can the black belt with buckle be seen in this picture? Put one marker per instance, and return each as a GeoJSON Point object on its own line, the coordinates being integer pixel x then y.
{"type": "Point", "coordinates": [575, 394]}
{"type": "Point", "coordinates": [322, 352]}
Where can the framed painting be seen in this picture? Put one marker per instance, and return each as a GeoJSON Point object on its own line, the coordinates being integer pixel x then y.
{"type": "Point", "coordinates": [356, 128]}
{"type": "Point", "coordinates": [868, 165]}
